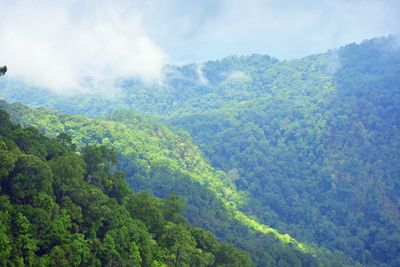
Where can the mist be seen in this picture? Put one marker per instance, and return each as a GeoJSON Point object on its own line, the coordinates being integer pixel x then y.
{"type": "Point", "coordinates": [71, 47]}
{"type": "Point", "coordinates": [74, 46]}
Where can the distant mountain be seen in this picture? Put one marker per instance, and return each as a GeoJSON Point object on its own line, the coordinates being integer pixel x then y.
{"type": "Point", "coordinates": [317, 147]}
{"type": "Point", "coordinates": [312, 145]}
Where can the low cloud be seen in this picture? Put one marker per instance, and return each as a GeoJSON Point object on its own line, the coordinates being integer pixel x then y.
{"type": "Point", "coordinates": [237, 76]}
{"type": "Point", "coordinates": [200, 74]}
{"type": "Point", "coordinates": [333, 62]}
{"type": "Point", "coordinates": [72, 47]}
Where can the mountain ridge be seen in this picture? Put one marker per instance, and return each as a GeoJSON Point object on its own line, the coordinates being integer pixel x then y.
{"type": "Point", "coordinates": [312, 143]}
{"type": "Point", "coordinates": [165, 176]}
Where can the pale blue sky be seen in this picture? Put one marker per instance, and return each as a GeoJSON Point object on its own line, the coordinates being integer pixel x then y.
{"type": "Point", "coordinates": [198, 30]}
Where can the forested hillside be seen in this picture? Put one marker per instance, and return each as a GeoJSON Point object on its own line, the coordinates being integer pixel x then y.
{"type": "Point", "coordinates": [59, 208]}
{"type": "Point", "coordinates": [319, 151]}
{"type": "Point", "coordinates": [161, 162]}
{"type": "Point", "coordinates": [310, 147]}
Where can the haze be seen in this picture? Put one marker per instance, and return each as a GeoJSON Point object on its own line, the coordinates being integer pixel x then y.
{"type": "Point", "coordinates": [75, 46]}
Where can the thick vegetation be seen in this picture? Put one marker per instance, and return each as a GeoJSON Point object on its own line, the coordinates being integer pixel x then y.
{"type": "Point", "coordinates": [59, 208]}
{"type": "Point", "coordinates": [158, 161]}
{"type": "Point", "coordinates": [319, 151]}
{"type": "Point", "coordinates": [311, 145]}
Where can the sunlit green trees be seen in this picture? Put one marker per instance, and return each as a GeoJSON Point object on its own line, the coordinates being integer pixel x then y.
{"type": "Point", "coordinates": [59, 208]}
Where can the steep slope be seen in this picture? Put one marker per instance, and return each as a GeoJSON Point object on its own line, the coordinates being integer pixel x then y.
{"type": "Point", "coordinates": [61, 209]}
{"type": "Point", "coordinates": [312, 144]}
{"type": "Point", "coordinates": [155, 159]}
{"type": "Point", "coordinates": [321, 160]}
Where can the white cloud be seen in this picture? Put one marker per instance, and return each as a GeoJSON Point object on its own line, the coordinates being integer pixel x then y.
{"type": "Point", "coordinates": [200, 74]}
{"type": "Point", "coordinates": [237, 76]}
{"type": "Point", "coordinates": [69, 46]}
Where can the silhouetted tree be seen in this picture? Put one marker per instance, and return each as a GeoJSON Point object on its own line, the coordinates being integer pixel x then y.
{"type": "Point", "coordinates": [3, 70]}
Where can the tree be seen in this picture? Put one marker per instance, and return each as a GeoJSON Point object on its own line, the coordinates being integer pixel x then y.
{"type": "Point", "coordinates": [180, 243]}
{"type": "Point", "coordinates": [3, 70]}
{"type": "Point", "coordinates": [30, 176]}
{"type": "Point", "coordinates": [7, 164]}
{"type": "Point", "coordinates": [66, 141]}
{"type": "Point", "coordinates": [68, 172]}
{"type": "Point", "coordinates": [146, 208]}
{"type": "Point", "coordinates": [227, 255]}
{"type": "Point", "coordinates": [173, 208]}
{"type": "Point", "coordinates": [5, 241]}
{"type": "Point", "coordinates": [25, 245]}
{"type": "Point", "coordinates": [98, 159]}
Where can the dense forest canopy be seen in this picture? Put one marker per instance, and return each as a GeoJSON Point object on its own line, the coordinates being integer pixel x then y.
{"type": "Point", "coordinates": [59, 208]}
{"type": "Point", "coordinates": [160, 162]}
{"type": "Point", "coordinates": [319, 154]}
{"type": "Point", "coordinates": [310, 147]}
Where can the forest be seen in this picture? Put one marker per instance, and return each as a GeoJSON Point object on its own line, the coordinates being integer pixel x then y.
{"type": "Point", "coordinates": [61, 208]}
{"type": "Point", "coordinates": [160, 162]}
{"type": "Point", "coordinates": [296, 162]}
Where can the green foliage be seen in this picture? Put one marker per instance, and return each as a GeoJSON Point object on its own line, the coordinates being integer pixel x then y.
{"type": "Point", "coordinates": [308, 147]}
{"type": "Point", "coordinates": [157, 160]}
{"type": "Point", "coordinates": [181, 242]}
{"type": "Point", "coordinates": [53, 214]}
{"type": "Point", "coordinates": [7, 163]}
{"type": "Point", "coordinates": [173, 208]}
{"type": "Point", "coordinates": [98, 159]}
{"type": "Point", "coordinates": [318, 151]}
{"type": "Point", "coordinates": [30, 176]}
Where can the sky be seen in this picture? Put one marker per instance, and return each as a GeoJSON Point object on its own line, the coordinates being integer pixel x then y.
{"type": "Point", "coordinates": [71, 45]}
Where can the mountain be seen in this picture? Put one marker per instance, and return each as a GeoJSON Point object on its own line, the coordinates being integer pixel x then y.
{"type": "Point", "coordinates": [318, 150]}
{"type": "Point", "coordinates": [160, 162]}
{"type": "Point", "coordinates": [310, 147]}
{"type": "Point", "coordinates": [59, 208]}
